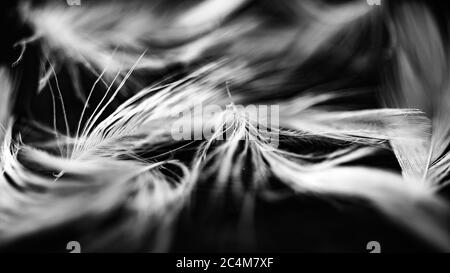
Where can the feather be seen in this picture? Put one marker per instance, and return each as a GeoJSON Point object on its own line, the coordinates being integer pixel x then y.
{"type": "Point", "coordinates": [6, 99]}
{"type": "Point", "coordinates": [123, 177]}
{"type": "Point", "coordinates": [420, 81]}
{"type": "Point", "coordinates": [112, 36]}
{"type": "Point", "coordinates": [409, 204]}
{"type": "Point", "coordinates": [93, 33]}
{"type": "Point", "coordinates": [85, 192]}
{"type": "Point", "coordinates": [152, 197]}
{"type": "Point", "coordinates": [365, 126]}
{"type": "Point", "coordinates": [247, 142]}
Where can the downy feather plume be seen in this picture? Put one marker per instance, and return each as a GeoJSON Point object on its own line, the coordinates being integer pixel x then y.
{"type": "Point", "coordinates": [6, 96]}
{"type": "Point", "coordinates": [421, 68]}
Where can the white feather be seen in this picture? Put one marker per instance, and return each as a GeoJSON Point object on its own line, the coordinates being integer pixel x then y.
{"type": "Point", "coordinates": [420, 81]}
